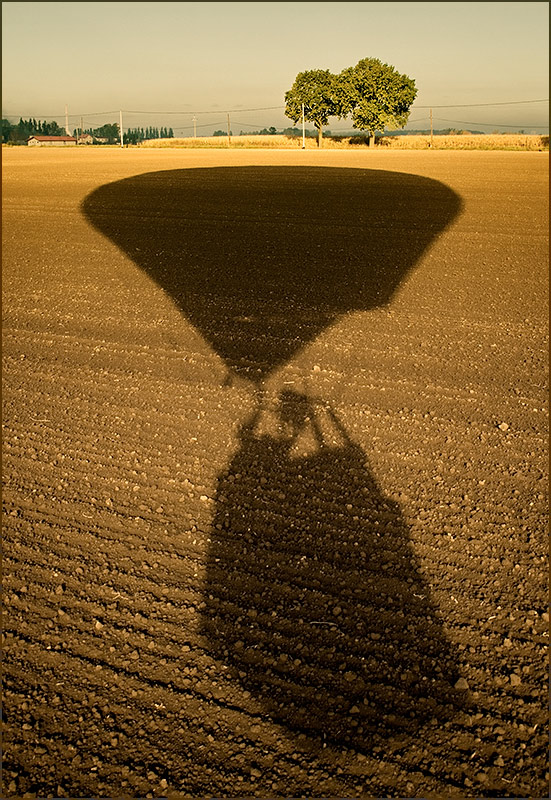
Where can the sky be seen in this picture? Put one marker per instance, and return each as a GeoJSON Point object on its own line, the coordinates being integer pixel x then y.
{"type": "Point", "coordinates": [173, 61]}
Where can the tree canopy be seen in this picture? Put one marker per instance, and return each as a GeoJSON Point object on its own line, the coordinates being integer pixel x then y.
{"type": "Point", "coordinates": [374, 94]}
{"type": "Point", "coordinates": [316, 90]}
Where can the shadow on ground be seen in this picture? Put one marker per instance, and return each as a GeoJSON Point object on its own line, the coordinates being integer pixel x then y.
{"type": "Point", "coordinates": [313, 594]}
{"type": "Point", "coordinates": [262, 259]}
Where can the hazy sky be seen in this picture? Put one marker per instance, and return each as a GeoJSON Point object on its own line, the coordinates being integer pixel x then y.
{"type": "Point", "coordinates": [219, 57]}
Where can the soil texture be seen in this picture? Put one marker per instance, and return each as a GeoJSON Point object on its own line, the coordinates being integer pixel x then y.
{"type": "Point", "coordinates": [275, 474]}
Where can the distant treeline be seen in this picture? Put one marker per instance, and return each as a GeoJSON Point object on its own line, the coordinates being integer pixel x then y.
{"type": "Point", "coordinates": [312, 134]}
{"type": "Point", "coordinates": [137, 135]}
{"type": "Point", "coordinates": [296, 132]}
{"type": "Point", "coordinates": [18, 133]}
{"type": "Point", "coordinates": [21, 131]}
{"type": "Point", "coordinates": [105, 134]}
{"type": "Point", "coordinates": [442, 132]}
{"type": "Point", "coordinates": [130, 136]}
{"type": "Point", "coordinates": [343, 134]}
{"type": "Point", "coordinates": [274, 132]}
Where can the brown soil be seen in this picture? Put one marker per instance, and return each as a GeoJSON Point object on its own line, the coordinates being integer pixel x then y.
{"type": "Point", "coordinates": [275, 474]}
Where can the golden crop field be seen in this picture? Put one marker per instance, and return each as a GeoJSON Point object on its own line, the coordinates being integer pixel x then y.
{"type": "Point", "coordinates": [506, 141]}
{"type": "Point", "coordinates": [468, 141]}
{"type": "Point", "coordinates": [278, 141]}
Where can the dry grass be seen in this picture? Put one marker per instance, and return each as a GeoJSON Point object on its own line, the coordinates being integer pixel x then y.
{"type": "Point", "coordinates": [278, 142]}
{"type": "Point", "coordinates": [468, 141]}
{"type": "Point", "coordinates": [506, 141]}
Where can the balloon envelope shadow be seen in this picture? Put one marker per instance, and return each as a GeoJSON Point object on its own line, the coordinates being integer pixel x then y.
{"type": "Point", "coordinates": [313, 593]}
{"type": "Point", "coordinates": [262, 259]}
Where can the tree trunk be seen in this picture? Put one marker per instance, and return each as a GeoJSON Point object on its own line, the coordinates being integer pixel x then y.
{"type": "Point", "coordinates": [320, 135]}
{"type": "Point", "coordinates": [371, 139]}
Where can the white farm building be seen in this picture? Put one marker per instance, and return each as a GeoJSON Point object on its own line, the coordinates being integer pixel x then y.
{"type": "Point", "coordinates": [49, 141]}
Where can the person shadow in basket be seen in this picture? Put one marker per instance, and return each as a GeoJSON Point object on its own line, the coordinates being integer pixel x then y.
{"type": "Point", "coordinates": [313, 594]}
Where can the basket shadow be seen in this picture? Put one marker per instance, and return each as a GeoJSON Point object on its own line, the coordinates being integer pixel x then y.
{"type": "Point", "coordinates": [313, 594]}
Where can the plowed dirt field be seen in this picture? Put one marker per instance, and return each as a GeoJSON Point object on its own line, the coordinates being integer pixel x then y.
{"type": "Point", "coordinates": [275, 473]}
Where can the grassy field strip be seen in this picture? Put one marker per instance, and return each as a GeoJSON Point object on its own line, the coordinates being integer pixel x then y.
{"type": "Point", "coordinates": [466, 141]}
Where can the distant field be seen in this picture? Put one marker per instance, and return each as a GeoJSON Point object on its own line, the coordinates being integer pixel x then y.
{"type": "Point", "coordinates": [505, 141]}
{"type": "Point", "coordinates": [279, 141]}
{"type": "Point", "coordinates": [512, 141]}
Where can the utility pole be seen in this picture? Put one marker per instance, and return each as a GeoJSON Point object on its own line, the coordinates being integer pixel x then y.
{"type": "Point", "coordinates": [120, 129]}
{"type": "Point", "coordinates": [67, 121]}
{"type": "Point", "coordinates": [194, 127]}
{"type": "Point", "coordinates": [431, 127]}
{"type": "Point", "coordinates": [80, 127]}
{"type": "Point", "coordinates": [303, 131]}
{"type": "Point", "coordinates": [229, 132]}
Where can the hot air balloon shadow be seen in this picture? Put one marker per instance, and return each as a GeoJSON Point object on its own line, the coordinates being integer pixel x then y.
{"type": "Point", "coordinates": [313, 596]}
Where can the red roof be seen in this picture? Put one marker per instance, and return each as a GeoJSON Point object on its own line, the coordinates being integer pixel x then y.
{"type": "Point", "coordinates": [53, 138]}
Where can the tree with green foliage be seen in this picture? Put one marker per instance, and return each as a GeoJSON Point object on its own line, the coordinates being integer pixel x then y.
{"type": "Point", "coordinates": [376, 95]}
{"type": "Point", "coordinates": [132, 136]}
{"type": "Point", "coordinates": [295, 133]}
{"type": "Point", "coordinates": [53, 129]}
{"type": "Point", "coordinates": [109, 131]}
{"type": "Point", "coordinates": [6, 130]}
{"type": "Point", "coordinates": [315, 89]}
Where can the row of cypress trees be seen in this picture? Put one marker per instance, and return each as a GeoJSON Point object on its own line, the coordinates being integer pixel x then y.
{"type": "Point", "coordinates": [136, 135]}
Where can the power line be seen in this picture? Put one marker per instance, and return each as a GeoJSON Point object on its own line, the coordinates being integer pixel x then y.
{"type": "Point", "coordinates": [270, 108]}
{"type": "Point", "coordinates": [191, 127]}
{"type": "Point", "coordinates": [498, 124]}
{"type": "Point", "coordinates": [56, 118]}
{"type": "Point", "coordinates": [95, 114]}
{"type": "Point", "coordinates": [275, 108]}
{"type": "Point", "coordinates": [476, 105]}
{"type": "Point", "coordinates": [231, 111]}
{"type": "Point", "coordinates": [252, 124]}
